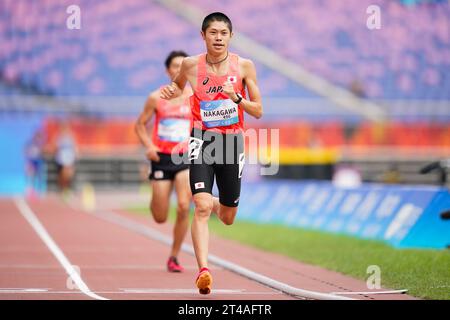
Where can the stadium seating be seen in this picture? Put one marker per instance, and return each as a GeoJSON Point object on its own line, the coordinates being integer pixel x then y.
{"type": "Point", "coordinates": [121, 46]}
{"type": "Point", "coordinates": [105, 136]}
{"type": "Point", "coordinates": [407, 58]}
{"type": "Point", "coordinates": [119, 50]}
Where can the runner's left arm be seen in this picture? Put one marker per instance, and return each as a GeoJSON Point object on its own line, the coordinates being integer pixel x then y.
{"type": "Point", "coordinates": [252, 105]}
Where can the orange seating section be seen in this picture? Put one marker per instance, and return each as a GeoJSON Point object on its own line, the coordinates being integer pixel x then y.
{"type": "Point", "coordinates": [107, 134]}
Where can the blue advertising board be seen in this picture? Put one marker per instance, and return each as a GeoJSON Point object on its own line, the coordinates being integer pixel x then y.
{"type": "Point", "coordinates": [15, 132]}
{"type": "Point", "coordinates": [404, 216]}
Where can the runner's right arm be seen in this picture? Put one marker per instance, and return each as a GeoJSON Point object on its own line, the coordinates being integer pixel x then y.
{"type": "Point", "coordinates": [175, 89]}
{"type": "Point", "coordinates": [141, 130]}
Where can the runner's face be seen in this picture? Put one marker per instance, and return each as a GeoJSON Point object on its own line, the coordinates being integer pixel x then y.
{"type": "Point", "coordinates": [217, 36]}
{"type": "Point", "coordinates": [175, 66]}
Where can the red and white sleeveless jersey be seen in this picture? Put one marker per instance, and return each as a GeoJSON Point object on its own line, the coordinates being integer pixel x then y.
{"type": "Point", "coordinates": [172, 127]}
{"type": "Point", "coordinates": [212, 110]}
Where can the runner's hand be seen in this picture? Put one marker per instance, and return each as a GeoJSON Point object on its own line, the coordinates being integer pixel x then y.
{"type": "Point", "coordinates": [228, 89]}
{"type": "Point", "coordinates": [152, 154]}
{"type": "Point", "coordinates": [168, 91]}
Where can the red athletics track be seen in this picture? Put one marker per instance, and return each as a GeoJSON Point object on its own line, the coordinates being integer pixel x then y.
{"type": "Point", "coordinates": [119, 263]}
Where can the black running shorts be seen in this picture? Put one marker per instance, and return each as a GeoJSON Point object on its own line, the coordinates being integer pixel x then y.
{"type": "Point", "coordinates": [216, 155]}
{"type": "Point", "coordinates": [165, 168]}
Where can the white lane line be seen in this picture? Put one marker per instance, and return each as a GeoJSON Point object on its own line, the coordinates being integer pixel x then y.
{"type": "Point", "coordinates": [23, 290]}
{"type": "Point", "coordinates": [190, 291]}
{"type": "Point", "coordinates": [53, 247]}
{"type": "Point", "coordinates": [372, 292]}
{"type": "Point", "coordinates": [139, 291]}
{"type": "Point", "coordinates": [96, 267]}
{"type": "Point", "coordinates": [269, 282]}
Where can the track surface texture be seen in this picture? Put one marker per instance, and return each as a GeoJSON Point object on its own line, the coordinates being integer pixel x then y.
{"type": "Point", "coordinates": [116, 261]}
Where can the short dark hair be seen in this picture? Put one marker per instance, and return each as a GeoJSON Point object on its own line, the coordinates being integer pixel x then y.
{"type": "Point", "coordinates": [172, 56]}
{"type": "Point", "coordinates": [216, 16]}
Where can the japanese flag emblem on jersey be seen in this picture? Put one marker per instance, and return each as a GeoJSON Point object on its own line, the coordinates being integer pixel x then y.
{"type": "Point", "coordinates": [232, 79]}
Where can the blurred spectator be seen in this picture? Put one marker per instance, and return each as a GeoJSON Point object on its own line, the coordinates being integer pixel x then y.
{"type": "Point", "coordinates": [65, 156]}
{"type": "Point", "coordinates": [35, 164]}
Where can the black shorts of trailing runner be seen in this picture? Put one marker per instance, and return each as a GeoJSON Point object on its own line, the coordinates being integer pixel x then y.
{"type": "Point", "coordinates": [168, 166]}
{"type": "Point", "coordinates": [220, 156]}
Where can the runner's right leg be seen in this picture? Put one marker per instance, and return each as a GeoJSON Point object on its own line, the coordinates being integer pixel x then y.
{"type": "Point", "coordinates": [159, 204]}
{"type": "Point", "coordinates": [201, 178]}
{"type": "Point", "coordinates": [199, 229]}
{"type": "Point", "coordinates": [200, 238]}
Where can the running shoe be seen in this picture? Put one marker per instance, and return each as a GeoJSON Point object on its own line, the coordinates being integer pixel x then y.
{"type": "Point", "coordinates": [173, 265]}
{"type": "Point", "coordinates": [204, 281]}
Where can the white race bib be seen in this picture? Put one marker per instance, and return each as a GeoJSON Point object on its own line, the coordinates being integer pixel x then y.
{"type": "Point", "coordinates": [219, 113]}
{"type": "Point", "coordinates": [173, 129]}
{"type": "Point", "coordinates": [65, 156]}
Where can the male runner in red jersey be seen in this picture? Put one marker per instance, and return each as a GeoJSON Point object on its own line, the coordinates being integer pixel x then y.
{"type": "Point", "coordinates": [170, 135]}
{"type": "Point", "coordinates": [219, 79]}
